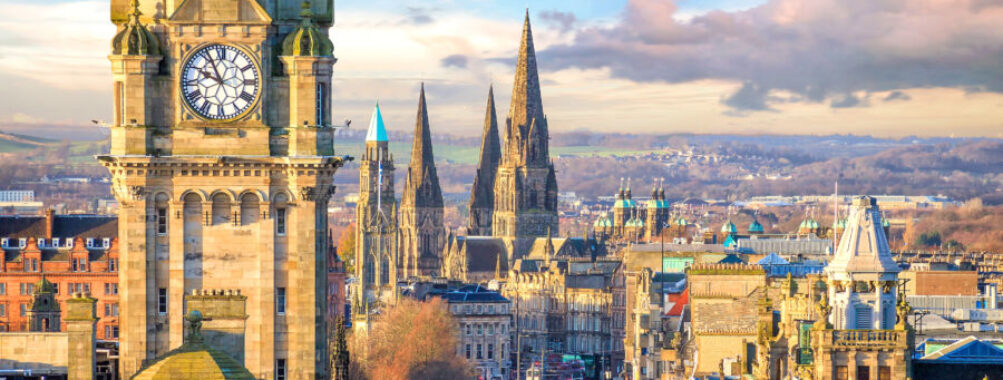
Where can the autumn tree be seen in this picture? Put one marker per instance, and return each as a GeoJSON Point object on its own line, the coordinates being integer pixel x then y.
{"type": "Point", "coordinates": [413, 340]}
{"type": "Point", "coordinates": [346, 248]}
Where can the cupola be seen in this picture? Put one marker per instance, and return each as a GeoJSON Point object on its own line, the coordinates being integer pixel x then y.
{"type": "Point", "coordinates": [307, 40]}
{"type": "Point", "coordinates": [134, 38]}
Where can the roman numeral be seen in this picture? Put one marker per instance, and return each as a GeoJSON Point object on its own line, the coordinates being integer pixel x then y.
{"type": "Point", "coordinates": [221, 52]}
{"type": "Point", "coordinates": [204, 109]}
{"type": "Point", "coordinates": [219, 111]}
{"type": "Point", "coordinates": [192, 82]}
{"type": "Point", "coordinates": [247, 96]}
{"type": "Point", "coordinates": [194, 94]}
{"type": "Point", "coordinates": [250, 82]}
{"type": "Point", "coordinates": [248, 67]}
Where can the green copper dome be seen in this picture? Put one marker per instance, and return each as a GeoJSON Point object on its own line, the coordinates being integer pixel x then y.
{"type": "Point", "coordinates": [755, 227]}
{"type": "Point", "coordinates": [194, 360]}
{"type": "Point", "coordinates": [135, 39]}
{"type": "Point", "coordinates": [729, 228]}
{"type": "Point", "coordinates": [307, 40]}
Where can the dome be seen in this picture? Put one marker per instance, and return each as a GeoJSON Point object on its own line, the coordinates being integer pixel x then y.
{"type": "Point", "coordinates": [729, 228]}
{"type": "Point", "coordinates": [194, 360]}
{"type": "Point", "coordinates": [307, 40]}
{"type": "Point", "coordinates": [755, 227]}
{"type": "Point", "coordinates": [135, 39]}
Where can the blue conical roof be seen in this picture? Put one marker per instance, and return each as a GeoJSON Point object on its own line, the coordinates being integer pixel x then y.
{"type": "Point", "coordinates": [377, 130]}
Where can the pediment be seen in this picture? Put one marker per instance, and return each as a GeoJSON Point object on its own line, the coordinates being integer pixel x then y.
{"type": "Point", "coordinates": [220, 11]}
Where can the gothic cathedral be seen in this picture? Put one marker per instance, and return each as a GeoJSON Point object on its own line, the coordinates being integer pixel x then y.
{"type": "Point", "coordinates": [525, 189]}
{"type": "Point", "coordinates": [222, 160]}
{"type": "Point", "coordinates": [422, 231]}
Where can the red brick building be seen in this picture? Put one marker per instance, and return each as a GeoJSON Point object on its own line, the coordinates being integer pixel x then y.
{"type": "Point", "coordinates": [941, 283]}
{"type": "Point", "coordinates": [77, 253]}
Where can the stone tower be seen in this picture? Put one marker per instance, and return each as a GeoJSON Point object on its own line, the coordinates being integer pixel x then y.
{"type": "Point", "coordinates": [43, 312]}
{"type": "Point", "coordinates": [222, 160]}
{"type": "Point", "coordinates": [525, 185]}
{"type": "Point", "coordinates": [482, 193]}
{"type": "Point", "coordinates": [376, 214]}
{"type": "Point", "coordinates": [422, 234]}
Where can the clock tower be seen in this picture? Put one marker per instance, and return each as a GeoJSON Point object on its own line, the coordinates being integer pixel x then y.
{"type": "Point", "coordinates": [222, 160]}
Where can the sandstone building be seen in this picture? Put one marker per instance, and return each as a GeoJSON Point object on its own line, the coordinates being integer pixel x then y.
{"type": "Point", "coordinates": [222, 161]}
{"type": "Point", "coordinates": [422, 233]}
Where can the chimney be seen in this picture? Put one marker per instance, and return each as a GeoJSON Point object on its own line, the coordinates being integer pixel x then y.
{"type": "Point", "coordinates": [50, 218]}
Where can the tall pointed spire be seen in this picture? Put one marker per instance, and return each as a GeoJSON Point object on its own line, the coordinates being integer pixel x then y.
{"type": "Point", "coordinates": [525, 113]}
{"type": "Point", "coordinates": [482, 193]}
{"type": "Point", "coordinates": [421, 187]}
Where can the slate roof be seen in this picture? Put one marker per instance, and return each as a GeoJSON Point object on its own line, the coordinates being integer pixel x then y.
{"type": "Point", "coordinates": [482, 253]}
{"type": "Point", "coordinates": [63, 226]}
{"type": "Point", "coordinates": [968, 350]}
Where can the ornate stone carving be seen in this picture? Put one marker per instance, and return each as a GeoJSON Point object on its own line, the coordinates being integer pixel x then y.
{"type": "Point", "coordinates": [307, 193]}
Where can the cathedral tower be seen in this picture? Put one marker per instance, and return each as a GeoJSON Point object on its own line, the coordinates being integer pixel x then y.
{"type": "Point", "coordinates": [376, 214]}
{"type": "Point", "coordinates": [222, 160]}
{"type": "Point", "coordinates": [525, 185]}
{"type": "Point", "coordinates": [482, 193]}
{"type": "Point", "coordinates": [422, 234]}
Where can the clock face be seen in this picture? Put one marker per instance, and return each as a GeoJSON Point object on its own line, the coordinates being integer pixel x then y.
{"type": "Point", "coordinates": [220, 82]}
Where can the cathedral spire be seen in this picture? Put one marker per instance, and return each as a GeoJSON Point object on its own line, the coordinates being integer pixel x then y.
{"type": "Point", "coordinates": [482, 193]}
{"type": "Point", "coordinates": [525, 113]}
{"type": "Point", "coordinates": [421, 187]}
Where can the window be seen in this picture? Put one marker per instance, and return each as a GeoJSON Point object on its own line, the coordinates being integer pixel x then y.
{"type": "Point", "coordinates": [3, 310]}
{"type": "Point", "coordinates": [22, 242]}
{"type": "Point", "coordinates": [280, 301]}
{"type": "Point", "coordinates": [105, 243]}
{"type": "Point", "coordinates": [162, 221]}
{"type": "Point", "coordinates": [480, 329]}
{"type": "Point", "coordinates": [280, 221]}
{"type": "Point", "coordinates": [3, 242]}
{"type": "Point", "coordinates": [842, 373]}
{"type": "Point", "coordinates": [479, 353]}
{"type": "Point", "coordinates": [863, 372]}
{"type": "Point", "coordinates": [24, 309]}
{"type": "Point", "coordinates": [321, 102]}
{"type": "Point", "coordinates": [55, 242]}
{"type": "Point", "coordinates": [469, 327]}
{"type": "Point", "coordinates": [90, 242]}
{"type": "Point", "coordinates": [27, 288]}
{"type": "Point", "coordinates": [280, 369]}
{"type": "Point", "coordinates": [111, 309]}
{"type": "Point", "coordinates": [468, 351]}
{"type": "Point", "coordinates": [110, 288]}
{"type": "Point", "coordinates": [162, 300]}
{"type": "Point", "coordinates": [491, 329]}
{"type": "Point", "coordinates": [249, 208]}
{"type": "Point", "coordinates": [491, 351]}
{"type": "Point", "coordinates": [55, 288]}
{"type": "Point", "coordinates": [3, 288]}
{"type": "Point", "coordinates": [884, 373]}
{"type": "Point", "coordinates": [113, 265]}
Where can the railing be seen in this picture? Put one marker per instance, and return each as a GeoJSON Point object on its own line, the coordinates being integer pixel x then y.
{"type": "Point", "coordinates": [866, 338]}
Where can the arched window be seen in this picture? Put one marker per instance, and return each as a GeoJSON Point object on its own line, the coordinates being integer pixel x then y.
{"type": "Point", "coordinates": [249, 208]}
{"type": "Point", "coordinates": [220, 209]}
{"type": "Point", "coordinates": [192, 208]}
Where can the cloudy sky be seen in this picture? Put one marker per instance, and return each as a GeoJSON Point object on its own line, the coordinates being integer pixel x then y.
{"type": "Point", "coordinates": [877, 67]}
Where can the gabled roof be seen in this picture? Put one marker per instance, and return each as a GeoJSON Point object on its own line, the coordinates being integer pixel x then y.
{"type": "Point", "coordinates": [377, 129]}
{"type": "Point", "coordinates": [772, 259]}
{"type": "Point", "coordinates": [968, 350]}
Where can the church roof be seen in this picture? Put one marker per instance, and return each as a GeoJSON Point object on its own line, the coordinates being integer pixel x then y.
{"type": "Point", "coordinates": [527, 124]}
{"type": "Point", "coordinates": [377, 129]}
{"type": "Point", "coordinates": [863, 247]}
{"type": "Point", "coordinates": [755, 227]}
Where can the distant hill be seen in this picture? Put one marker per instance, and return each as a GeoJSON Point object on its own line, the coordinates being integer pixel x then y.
{"type": "Point", "coordinates": [12, 142]}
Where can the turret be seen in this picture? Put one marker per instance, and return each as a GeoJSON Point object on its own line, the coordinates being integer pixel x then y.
{"type": "Point", "coordinates": [307, 55]}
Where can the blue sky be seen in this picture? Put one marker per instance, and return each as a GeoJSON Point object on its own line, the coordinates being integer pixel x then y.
{"type": "Point", "coordinates": [878, 67]}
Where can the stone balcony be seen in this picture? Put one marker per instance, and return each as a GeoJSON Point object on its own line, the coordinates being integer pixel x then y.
{"type": "Point", "coordinates": [864, 339]}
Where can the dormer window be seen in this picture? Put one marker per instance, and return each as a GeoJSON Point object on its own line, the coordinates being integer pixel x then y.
{"type": "Point", "coordinates": [106, 242]}
{"type": "Point", "coordinates": [41, 242]}
{"type": "Point", "coordinates": [69, 242]}
{"type": "Point", "coordinates": [4, 242]}
{"type": "Point", "coordinates": [90, 242]}
{"type": "Point", "coordinates": [55, 242]}
{"type": "Point", "coordinates": [22, 242]}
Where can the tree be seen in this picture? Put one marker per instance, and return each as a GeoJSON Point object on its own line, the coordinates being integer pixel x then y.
{"type": "Point", "coordinates": [413, 340]}
{"type": "Point", "coordinates": [346, 248]}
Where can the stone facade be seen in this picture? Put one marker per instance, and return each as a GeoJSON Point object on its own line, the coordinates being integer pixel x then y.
{"type": "Point", "coordinates": [70, 353]}
{"type": "Point", "coordinates": [525, 204]}
{"type": "Point", "coordinates": [206, 200]}
{"type": "Point", "coordinates": [483, 322]}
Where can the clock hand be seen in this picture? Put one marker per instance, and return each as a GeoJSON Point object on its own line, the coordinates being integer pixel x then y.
{"type": "Point", "coordinates": [213, 63]}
